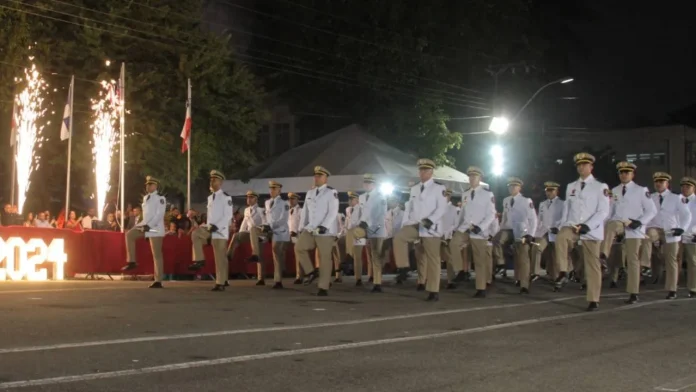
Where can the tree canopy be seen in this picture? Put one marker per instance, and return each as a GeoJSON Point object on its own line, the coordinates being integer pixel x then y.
{"type": "Point", "coordinates": [162, 43]}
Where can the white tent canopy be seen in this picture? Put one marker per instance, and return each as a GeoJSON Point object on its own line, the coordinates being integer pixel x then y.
{"type": "Point", "coordinates": [347, 153]}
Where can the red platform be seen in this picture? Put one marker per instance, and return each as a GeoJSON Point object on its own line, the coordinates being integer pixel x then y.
{"type": "Point", "coordinates": [100, 252]}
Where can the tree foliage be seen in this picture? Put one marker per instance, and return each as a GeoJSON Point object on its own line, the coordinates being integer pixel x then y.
{"type": "Point", "coordinates": [163, 43]}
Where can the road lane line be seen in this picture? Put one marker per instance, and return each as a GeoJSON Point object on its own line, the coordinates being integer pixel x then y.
{"type": "Point", "coordinates": [679, 385]}
{"type": "Point", "coordinates": [61, 346]}
{"type": "Point", "coordinates": [315, 350]}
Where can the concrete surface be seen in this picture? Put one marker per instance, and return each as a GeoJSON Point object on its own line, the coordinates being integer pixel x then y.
{"type": "Point", "coordinates": [120, 336]}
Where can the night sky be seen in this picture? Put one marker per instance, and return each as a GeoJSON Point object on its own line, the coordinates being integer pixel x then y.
{"type": "Point", "coordinates": [640, 66]}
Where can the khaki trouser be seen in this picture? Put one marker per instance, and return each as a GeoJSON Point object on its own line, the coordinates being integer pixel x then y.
{"type": "Point", "coordinates": [652, 234]}
{"type": "Point", "coordinates": [566, 240]}
{"type": "Point", "coordinates": [667, 257]}
{"type": "Point", "coordinates": [155, 244]}
{"type": "Point", "coordinates": [536, 252]}
{"type": "Point", "coordinates": [306, 242]}
{"type": "Point", "coordinates": [503, 238]}
{"type": "Point", "coordinates": [238, 238]}
{"type": "Point", "coordinates": [199, 237]}
{"type": "Point", "coordinates": [483, 261]}
{"type": "Point", "coordinates": [549, 257]}
{"type": "Point", "coordinates": [338, 253]}
{"type": "Point", "coordinates": [615, 261]}
{"type": "Point", "coordinates": [592, 269]}
{"type": "Point", "coordinates": [690, 258]}
{"type": "Point", "coordinates": [631, 251]}
{"type": "Point", "coordinates": [452, 254]}
{"type": "Point", "coordinates": [278, 251]}
{"type": "Point", "coordinates": [522, 263]}
{"type": "Point", "coordinates": [611, 230]}
{"type": "Point", "coordinates": [376, 255]}
{"type": "Point", "coordinates": [429, 256]}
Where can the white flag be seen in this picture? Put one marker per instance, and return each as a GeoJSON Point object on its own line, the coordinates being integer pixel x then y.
{"type": "Point", "coordinates": [67, 116]}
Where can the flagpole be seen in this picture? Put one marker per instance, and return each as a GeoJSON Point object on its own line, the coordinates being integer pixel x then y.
{"type": "Point", "coordinates": [188, 163]}
{"type": "Point", "coordinates": [70, 131]}
{"type": "Point", "coordinates": [123, 147]}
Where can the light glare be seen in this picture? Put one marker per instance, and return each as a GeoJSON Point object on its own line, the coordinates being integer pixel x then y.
{"type": "Point", "coordinates": [497, 155]}
{"type": "Point", "coordinates": [499, 125]}
{"type": "Point", "coordinates": [386, 188]}
{"type": "Point", "coordinates": [567, 80]}
{"type": "Point", "coordinates": [106, 114]}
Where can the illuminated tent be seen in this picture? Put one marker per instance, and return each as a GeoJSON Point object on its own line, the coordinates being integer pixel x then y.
{"type": "Point", "coordinates": [347, 153]}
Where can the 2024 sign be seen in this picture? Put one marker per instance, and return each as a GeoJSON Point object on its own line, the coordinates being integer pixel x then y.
{"type": "Point", "coordinates": [22, 258]}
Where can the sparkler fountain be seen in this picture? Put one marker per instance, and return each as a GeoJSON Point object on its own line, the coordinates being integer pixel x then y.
{"type": "Point", "coordinates": [104, 129]}
{"type": "Point", "coordinates": [29, 111]}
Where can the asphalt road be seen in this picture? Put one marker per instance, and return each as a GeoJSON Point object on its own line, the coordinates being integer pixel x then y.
{"type": "Point", "coordinates": [121, 336]}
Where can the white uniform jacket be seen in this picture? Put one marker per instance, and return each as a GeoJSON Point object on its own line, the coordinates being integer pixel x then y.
{"type": "Point", "coordinates": [220, 212]}
{"type": "Point", "coordinates": [588, 205]}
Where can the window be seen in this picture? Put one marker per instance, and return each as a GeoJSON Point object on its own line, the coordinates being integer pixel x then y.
{"type": "Point", "coordinates": [648, 159]}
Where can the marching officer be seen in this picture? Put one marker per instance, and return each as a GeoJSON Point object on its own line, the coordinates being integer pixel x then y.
{"type": "Point", "coordinates": [673, 216]}
{"type": "Point", "coordinates": [519, 215]}
{"type": "Point", "coordinates": [449, 221]}
{"type": "Point", "coordinates": [352, 215]}
{"type": "Point", "coordinates": [373, 212]}
{"type": "Point", "coordinates": [293, 227]}
{"type": "Point", "coordinates": [585, 209]}
{"type": "Point", "coordinates": [427, 207]}
{"type": "Point", "coordinates": [318, 229]}
{"type": "Point", "coordinates": [253, 220]}
{"type": "Point", "coordinates": [631, 211]}
{"type": "Point", "coordinates": [415, 250]}
{"type": "Point", "coordinates": [150, 227]}
{"type": "Point", "coordinates": [475, 219]}
{"type": "Point", "coordinates": [275, 225]}
{"type": "Point", "coordinates": [689, 238]}
{"type": "Point", "coordinates": [549, 220]}
{"type": "Point", "coordinates": [220, 212]}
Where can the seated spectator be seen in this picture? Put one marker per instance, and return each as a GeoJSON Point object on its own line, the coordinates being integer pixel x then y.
{"type": "Point", "coordinates": [133, 217]}
{"type": "Point", "coordinates": [30, 220]}
{"type": "Point", "coordinates": [86, 221]}
{"type": "Point", "coordinates": [41, 221]}
{"type": "Point", "coordinates": [50, 219]}
{"type": "Point", "coordinates": [111, 224]}
{"type": "Point", "coordinates": [172, 229]}
{"type": "Point", "coordinates": [72, 222]}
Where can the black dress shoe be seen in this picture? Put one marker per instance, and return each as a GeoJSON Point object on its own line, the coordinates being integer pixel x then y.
{"type": "Point", "coordinates": [517, 283]}
{"type": "Point", "coordinates": [131, 265]}
{"type": "Point", "coordinates": [297, 281]}
{"type": "Point", "coordinates": [462, 276]}
{"type": "Point", "coordinates": [671, 295]}
{"type": "Point", "coordinates": [692, 294]}
{"type": "Point", "coordinates": [196, 265]}
{"type": "Point", "coordinates": [218, 287]}
{"type": "Point", "coordinates": [156, 285]}
{"type": "Point", "coordinates": [311, 277]}
{"type": "Point", "coordinates": [433, 297]}
{"type": "Point", "coordinates": [420, 287]}
{"type": "Point", "coordinates": [592, 307]}
{"type": "Point", "coordinates": [376, 289]}
{"type": "Point", "coordinates": [613, 285]}
{"type": "Point", "coordinates": [370, 280]}
{"type": "Point", "coordinates": [338, 280]}
{"type": "Point", "coordinates": [261, 282]}
{"type": "Point", "coordinates": [524, 290]}
{"type": "Point", "coordinates": [358, 283]}
{"type": "Point", "coordinates": [227, 284]}
{"type": "Point", "coordinates": [480, 294]}
{"type": "Point", "coordinates": [277, 286]}
{"type": "Point", "coordinates": [632, 299]}
{"type": "Point", "coordinates": [322, 293]}
{"type": "Point", "coordinates": [450, 286]}
{"type": "Point", "coordinates": [583, 287]}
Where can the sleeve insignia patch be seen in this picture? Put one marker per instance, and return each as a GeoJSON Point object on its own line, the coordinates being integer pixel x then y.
{"type": "Point", "coordinates": [287, 207]}
{"type": "Point", "coordinates": [606, 192]}
{"type": "Point", "coordinates": [162, 201]}
{"type": "Point", "coordinates": [229, 202]}
{"type": "Point", "coordinates": [647, 194]}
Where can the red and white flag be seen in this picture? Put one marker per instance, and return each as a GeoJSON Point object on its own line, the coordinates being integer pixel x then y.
{"type": "Point", "coordinates": [186, 130]}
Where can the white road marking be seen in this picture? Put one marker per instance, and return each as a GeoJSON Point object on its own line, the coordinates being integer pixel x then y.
{"type": "Point", "coordinates": [314, 350]}
{"type": "Point", "coordinates": [61, 346]}
{"type": "Point", "coordinates": [76, 289]}
{"type": "Point", "coordinates": [679, 385]}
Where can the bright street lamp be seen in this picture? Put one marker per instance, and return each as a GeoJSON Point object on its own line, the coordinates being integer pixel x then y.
{"type": "Point", "coordinates": [499, 125]}
{"type": "Point", "coordinates": [386, 189]}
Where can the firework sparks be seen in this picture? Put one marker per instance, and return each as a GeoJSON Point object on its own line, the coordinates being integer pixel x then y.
{"type": "Point", "coordinates": [30, 110]}
{"type": "Point", "coordinates": [104, 129]}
